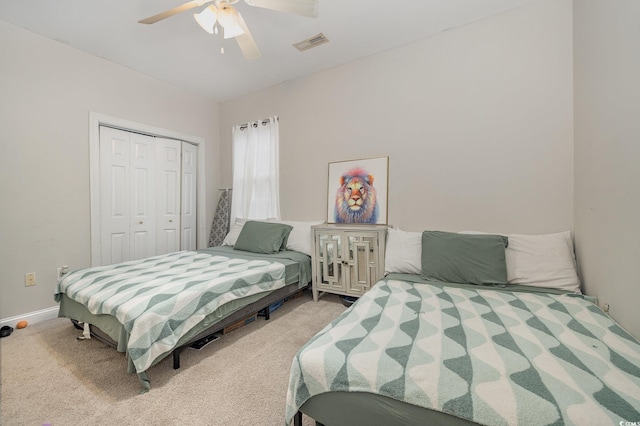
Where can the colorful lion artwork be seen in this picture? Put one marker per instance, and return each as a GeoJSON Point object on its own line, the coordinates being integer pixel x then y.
{"type": "Point", "coordinates": [356, 199]}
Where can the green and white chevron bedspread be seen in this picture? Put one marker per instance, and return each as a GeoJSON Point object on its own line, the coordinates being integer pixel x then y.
{"type": "Point", "coordinates": [490, 356]}
{"type": "Point", "coordinates": [159, 299]}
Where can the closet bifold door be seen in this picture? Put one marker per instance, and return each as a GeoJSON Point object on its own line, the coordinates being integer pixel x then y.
{"type": "Point", "coordinates": [188, 216]}
{"type": "Point", "coordinates": [127, 196]}
{"type": "Point", "coordinates": [148, 193]}
{"type": "Point", "coordinates": [168, 188]}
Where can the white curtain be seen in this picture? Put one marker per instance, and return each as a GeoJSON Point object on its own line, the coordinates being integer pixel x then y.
{"type": "Point", "coordinates": [256, 170]}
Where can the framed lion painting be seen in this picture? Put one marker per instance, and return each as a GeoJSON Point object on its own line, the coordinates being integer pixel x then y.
{"type": "Point", "coordinates": [357, 191]}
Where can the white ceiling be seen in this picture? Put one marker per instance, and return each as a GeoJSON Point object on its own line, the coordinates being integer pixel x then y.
{"type": "Point", "coordinates": [179, 52]}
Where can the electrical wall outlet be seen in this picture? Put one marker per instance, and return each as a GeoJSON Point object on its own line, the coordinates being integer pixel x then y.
{"type": "Point", "coordinates": [605, 308]}
{"type": "Point", "coordinates": [30, 279]}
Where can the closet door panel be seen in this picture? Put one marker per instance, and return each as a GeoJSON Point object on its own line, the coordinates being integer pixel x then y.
{"type": "Point", "coordinates": [189, 190]}
{"type": "Point", "coordinates": [114, 200]}
{"type": "Point", "coordinates": [119, 248]}
{"type": "Point", "coordinates": [168, 195]}
{"type": "Point", "coordinates": [142, 197]}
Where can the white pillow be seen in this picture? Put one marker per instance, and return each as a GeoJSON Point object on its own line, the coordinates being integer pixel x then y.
{"type": "Point", "coordinates": [300, 236]}
{"type": "Point", "coordinates": [542, 261]}
{"type": "Point", "coordinates": [545, 260]}
{"type": "Point", "coordinates": [234, 231]}
{"type": "Point", "coordinates": [403, 253]}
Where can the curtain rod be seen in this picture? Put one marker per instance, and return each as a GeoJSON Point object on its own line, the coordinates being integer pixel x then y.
{"type": "Point", "coordinates": [264, 121]}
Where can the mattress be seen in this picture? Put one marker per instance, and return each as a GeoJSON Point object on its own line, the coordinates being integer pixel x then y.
{"type": "Point", "coordinates": [416, 353]}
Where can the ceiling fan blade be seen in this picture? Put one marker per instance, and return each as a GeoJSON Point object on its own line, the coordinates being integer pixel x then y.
{"type": "Point", "coordinates": [298, 7]}
{"type": "Point", "coordinates": [245, 41]}
{"type": "Point", "coordinates": [168, 13]}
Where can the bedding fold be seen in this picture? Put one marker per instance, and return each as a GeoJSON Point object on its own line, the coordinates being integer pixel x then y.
{"type": "Point", "coordinates": [159, 299]}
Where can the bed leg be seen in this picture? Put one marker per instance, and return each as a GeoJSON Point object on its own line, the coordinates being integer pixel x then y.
{"type": "Point", "coordinates": [267, 313]}
{"type": "Point", "coordinates": [176, 358]}
{"type": "Point", "coordinates": [297, 419]}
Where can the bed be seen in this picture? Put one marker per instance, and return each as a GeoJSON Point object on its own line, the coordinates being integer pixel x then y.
{"type": "Point", "coordinates": [155, 307]}
{"type": "Point", "coordinates": [423, 348]}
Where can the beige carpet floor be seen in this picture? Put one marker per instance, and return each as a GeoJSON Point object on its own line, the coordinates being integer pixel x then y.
{"type": "Point", "coordinates": [241, 379]}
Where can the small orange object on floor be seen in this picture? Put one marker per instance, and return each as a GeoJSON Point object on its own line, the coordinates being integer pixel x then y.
{"type": "Point", "coordinates": [22, 324]}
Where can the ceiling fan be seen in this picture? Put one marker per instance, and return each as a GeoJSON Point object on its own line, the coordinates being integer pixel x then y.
{"type": "Point", "coordinates": [221, 13]}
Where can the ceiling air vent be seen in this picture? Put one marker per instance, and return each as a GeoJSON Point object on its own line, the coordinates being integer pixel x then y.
{"type": "Point", "coordinates": [314, 41]}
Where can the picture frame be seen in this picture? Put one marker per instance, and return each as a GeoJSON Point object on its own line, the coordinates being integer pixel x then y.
{"type": "Point", "coordinates": [357, 191]}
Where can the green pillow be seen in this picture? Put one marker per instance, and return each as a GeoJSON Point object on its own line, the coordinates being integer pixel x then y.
{"type": "Point", "coordinates": [464, 258]}
{"type": "Point", "coordinates": [263, 237]}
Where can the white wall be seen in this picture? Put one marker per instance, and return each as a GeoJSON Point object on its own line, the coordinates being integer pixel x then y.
{"type": "Point", "coordinates": [477, 122]}
{"type": "Point", "coordinates": [48, 90]}
{"type": "Point", "coordinates": [607, 154]}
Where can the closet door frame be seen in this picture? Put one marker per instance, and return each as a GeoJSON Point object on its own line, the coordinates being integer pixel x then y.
{"type": "Point", "coordinates": [95, 121]}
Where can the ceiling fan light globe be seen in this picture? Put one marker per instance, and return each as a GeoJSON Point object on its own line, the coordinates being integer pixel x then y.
{"type": "Point", "coordinates": [227, 15]}
{"type": "Point", "coordinates": [207, 18]}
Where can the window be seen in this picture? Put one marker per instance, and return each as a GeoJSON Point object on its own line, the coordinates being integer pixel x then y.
{"type": "Point", "coordinates": [255, 170]}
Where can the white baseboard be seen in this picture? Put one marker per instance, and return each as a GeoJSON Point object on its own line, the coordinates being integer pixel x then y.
{"type": "Point", "coordinates": [31, 317]}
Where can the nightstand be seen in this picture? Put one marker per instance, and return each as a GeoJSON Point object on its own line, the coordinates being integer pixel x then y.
{"type": "Point", "coordinates": [347, 259]}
